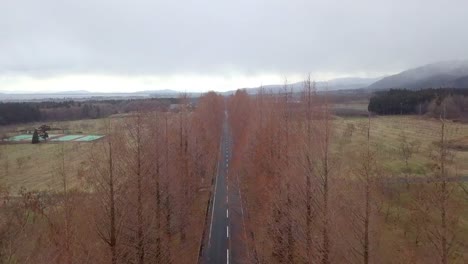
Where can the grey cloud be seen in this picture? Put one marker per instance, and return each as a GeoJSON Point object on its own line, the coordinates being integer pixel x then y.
{"type": "Point", "coordinates": [215, 37]}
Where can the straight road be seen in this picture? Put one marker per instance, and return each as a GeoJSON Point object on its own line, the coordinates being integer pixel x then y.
{"type": "Point", "coordinates": [224, 243]}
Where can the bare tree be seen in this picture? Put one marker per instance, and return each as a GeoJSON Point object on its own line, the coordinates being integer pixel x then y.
{"type": "Point", "coordinates": [442, 232]}
{"type": "Point", "coordinates": [107, 188]}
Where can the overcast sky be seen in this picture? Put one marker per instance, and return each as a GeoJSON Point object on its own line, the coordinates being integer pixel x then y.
{"type": "Point", "coordinates": [198, 45]}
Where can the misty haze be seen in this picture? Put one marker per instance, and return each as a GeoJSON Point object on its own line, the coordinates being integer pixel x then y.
{"type": "Point", "coordinates": [214, 132]}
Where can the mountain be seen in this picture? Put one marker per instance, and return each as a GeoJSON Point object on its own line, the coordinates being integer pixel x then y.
{"type": "Point", "coordinates": [460, 82]}
{"type": "Point", "coordinates": [453, 74]}
{"type": "Point", "coordinates": [347, 83]}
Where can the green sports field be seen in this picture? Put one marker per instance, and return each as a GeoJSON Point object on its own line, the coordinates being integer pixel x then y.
{"type": "Point", "coordinates": [57, 138]}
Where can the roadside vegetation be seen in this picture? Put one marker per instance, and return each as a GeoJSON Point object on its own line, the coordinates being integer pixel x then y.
{"type": "Point", "coordinates": [319, 188]}
{"type": "Point", "coordinates": [138, 195]}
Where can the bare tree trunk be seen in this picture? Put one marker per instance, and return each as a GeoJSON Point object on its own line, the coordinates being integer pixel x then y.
{"type": "Point", "coordinates": [157, 180]}
{"type": "Point", "coordinates": [113, 236]}
{"type": "Point", "coordinates": [167, 201]}
{"type": "Point", "coordinates": [443, 194]}
{"type": "Point", "coordinates": [67, 246]}
{"type": "Point", "coordinates": [140, 242]}
{"type": "Point", "coordinates": [325, 228]}
{"type": "Point", "coordinates": [309, 167]}
{"type": "Point", "coordinates": [368, 197]}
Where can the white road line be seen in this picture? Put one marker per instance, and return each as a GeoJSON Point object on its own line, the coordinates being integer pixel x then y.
{"type": "Point", "coordinates": [227, 231]}
{"type": "Point", "coordinates": [227, 213]}
{"type": "Point", "coordinates": [214, 201]}
{"type": "Point", "coordinates": [227, 254]}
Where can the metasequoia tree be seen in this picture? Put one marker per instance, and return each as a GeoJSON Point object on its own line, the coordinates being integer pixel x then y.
{"type": "Point", "coordinates": [167, 204]}
{"type": "Point", "coordinates": [107, 186]}
{"type": "Point", "coordinates": [266, 132]}
{"type": "Point", "coordinates": [323, 174]}
{"type": "Point", "coordinates": [308, 100]}
{"type": "Point", "coordinates": [137, 165]}
{"type": "Point", "coordinates": [183, 164]}
{"type": "Point", "coordinates": [156, 178]}
{"type": "Point", "coordinates": [67, 254]}
{"type": "Point", "coordinates": [442, 230]}
{"type": "Point", "coordinates": [313, 161]}
{"type": "Point", "coordinates": [362, 201]}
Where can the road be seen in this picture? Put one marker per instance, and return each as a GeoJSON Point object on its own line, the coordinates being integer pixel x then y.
{"type": "Point", "coordinates": [225, 240]}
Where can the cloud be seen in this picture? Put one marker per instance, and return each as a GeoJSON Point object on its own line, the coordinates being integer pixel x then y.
{"type": "Point", "coordinates": [247, 38]}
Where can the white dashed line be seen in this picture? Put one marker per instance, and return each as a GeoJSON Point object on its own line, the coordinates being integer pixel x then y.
{"type": "Point", "coordinates": [227, 213]}
{"type": "Point", "coordinates": [227, 231]}
{"type": "Point", "coordinates": [227, 254]}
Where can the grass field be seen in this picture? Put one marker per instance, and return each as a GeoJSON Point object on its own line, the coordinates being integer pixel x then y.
{"type": "Point", "coordinates": [385, 135]}
{"type": "Point", "coordinates": [34, 167]}
{"type": "Point", "coordinates": [387, 131]}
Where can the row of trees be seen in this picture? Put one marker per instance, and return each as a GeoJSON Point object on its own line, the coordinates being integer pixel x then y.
{"type": "Point", "coordinates": [24, 112]}
{"type": "Point", "coordinates": [142, 203]}
{"type": "Point", "coordinates": [305, 204]}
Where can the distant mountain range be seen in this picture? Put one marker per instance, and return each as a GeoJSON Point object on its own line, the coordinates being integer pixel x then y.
{"type": "Point", "coordinates": [447, 74]}
{"type": "Point", "coordinates": [453, 74]}
{"type": "Point", "coordinates": [349, 83]}
{"type": "Point", "coordinates": [83, 94]}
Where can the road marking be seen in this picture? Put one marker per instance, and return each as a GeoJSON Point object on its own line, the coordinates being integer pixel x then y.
{"type": "Point", "coordinates": [214, 201]}
{"type": "Point", "coordinates": [227, 254]}
{"type": "Point", "coordinates": [227, 231]}
{"type": "Point", "coordinates": [227, 213]}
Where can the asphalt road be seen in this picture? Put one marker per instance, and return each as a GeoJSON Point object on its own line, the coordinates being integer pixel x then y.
{"type": "Point", "coordinates": [225, 243]}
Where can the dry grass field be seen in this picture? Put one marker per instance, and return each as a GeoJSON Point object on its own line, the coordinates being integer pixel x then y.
{"type": "Point", "coordinates": [387, 132]}
{"type": "Point", "coordinates": [386, 138]}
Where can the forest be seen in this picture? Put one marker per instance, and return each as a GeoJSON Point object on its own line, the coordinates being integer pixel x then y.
{"type": "Point", "coordinates": [24, 112]}
{"type": "Point", "coordinates": [407, 102]}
